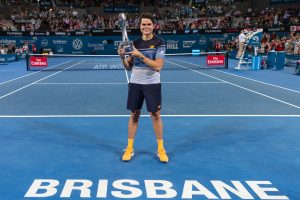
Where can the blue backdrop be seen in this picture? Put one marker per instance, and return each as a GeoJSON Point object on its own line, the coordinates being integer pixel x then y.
{"type": "Point", "coordinates": [107, 44]}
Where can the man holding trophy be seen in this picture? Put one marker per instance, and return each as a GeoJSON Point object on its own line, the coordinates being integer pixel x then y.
{"type": "Point", "coordinates": [145, 58]}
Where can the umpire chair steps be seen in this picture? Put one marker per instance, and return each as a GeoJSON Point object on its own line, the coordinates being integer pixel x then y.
{"type": "Point", "coordinates": [244, 60]}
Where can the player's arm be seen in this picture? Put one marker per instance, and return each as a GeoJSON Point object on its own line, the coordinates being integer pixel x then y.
{"type": "Point", "coordinates": [156, 64]}
{"type": "Point", "coordinates": [126, 61]}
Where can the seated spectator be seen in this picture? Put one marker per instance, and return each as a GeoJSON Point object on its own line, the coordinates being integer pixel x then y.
{"type": "Point", "coordinates": [279, 47]}
{"type": "Point", "coordinates": [33, 48]}
{"type": "Point", "coordinates": [2, 50]}
{"type": "Point", "coordinates": [10, 49]}
{"type": "Point", "coordinates": [25, 47]}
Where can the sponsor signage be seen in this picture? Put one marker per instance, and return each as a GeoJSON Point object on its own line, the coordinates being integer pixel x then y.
{"type": "Point", "coordinates": [232, 30]}
{"type": "Point", "coordinates": [14, 33]}
{"type": "Point", "coordinates": [59, 41]}
{"type": "Point", "coordinates": [97, 46]}
{"type": "Point", "coordinates": [11, 58]}
{"type": "Point", "coordinates": [172, 44]}
{"type": "Point", "coordinates": [213, 31]}
{"type": "Point", "coordinates": [39, 33]}
{"type": "Point", "coordinates": [8, 41]}
{"type": "Point", "coordinates": [276, 29]}
{"type": "Point", "coordinates": [152, 189]}
{"type": "Point", "coordinates": [188, 43]}
{"type": "Point", "coordinates": [202, 40]}
{"type": "Point", "coordinates": [78, 33]}
{"type": "Point", "coordinates": [295, 28]}
{"type": "Point", "coordinates": [77, 44]}
{"type": "Point", "coordinates": [167, 32]}
{"type": "Point", "coordinates": [283, 1]}
{"type": "Point", "coordinates": [213, 60]}
{"type": "Point", "coordinates": [110, 32]}
{"type": "Point", "coordinates": [59, 33]}
{"type": "Point", "coordinates": [60, 49]}
{"type": "Point", "coordinates": [120, 9]}
{"type": "Point", "coordinates": [44, 42]}
{"type": "Point", "coordinates": [38, 61]}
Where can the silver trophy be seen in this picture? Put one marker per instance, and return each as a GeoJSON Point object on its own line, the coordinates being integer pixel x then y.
{"type": "Point", "coordinates": [126, 44]}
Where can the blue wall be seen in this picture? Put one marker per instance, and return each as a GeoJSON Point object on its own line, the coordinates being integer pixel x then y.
{"type": "Point", "coordinates": [108, 44]}
{"type": "Point", "coordinates": [102, 42]}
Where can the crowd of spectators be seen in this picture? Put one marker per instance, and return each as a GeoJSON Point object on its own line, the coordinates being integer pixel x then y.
{"type": "Point", "coordinates": [13, 49]}
{"type": "Point", "coordinates": [169, 15]}
{"type": "Point", "coordinates": [226, 16]}
{"type": "Point", "coordinates": [290, 44]}
{"type": "Point", "coordinates": [96, 3]}
{"type": "Point", "coordinates": [5, 25]}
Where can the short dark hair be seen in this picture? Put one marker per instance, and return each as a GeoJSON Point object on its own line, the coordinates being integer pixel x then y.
{"type": "Point", "coordinates": [147, 16]}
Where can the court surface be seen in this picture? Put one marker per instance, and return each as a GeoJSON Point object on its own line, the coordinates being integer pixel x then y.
{"type": "Point", "coordinates": [229, 135]}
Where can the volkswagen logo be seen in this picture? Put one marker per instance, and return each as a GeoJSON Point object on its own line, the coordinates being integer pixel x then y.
{"type": "Point", "coordinates": [77, 44]}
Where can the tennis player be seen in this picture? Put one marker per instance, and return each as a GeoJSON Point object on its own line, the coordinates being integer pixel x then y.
{"type": "Point", "coordinates": [146, 61]}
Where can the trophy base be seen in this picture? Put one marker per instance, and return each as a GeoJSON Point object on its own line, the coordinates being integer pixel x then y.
{"type": "Point", "coordinates": [128, 46]}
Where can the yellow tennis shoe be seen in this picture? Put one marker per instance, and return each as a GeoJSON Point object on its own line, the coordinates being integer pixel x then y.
{"type": "Point", "coordinates": [128, 154]}
{"type": "Point", "coordinates": [162, 155]}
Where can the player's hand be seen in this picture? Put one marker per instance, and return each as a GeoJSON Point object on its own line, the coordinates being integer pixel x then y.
{"type": "Point", "coordinates": [135, 53]}
{"type": "Point", "coordinates": [121, 52]}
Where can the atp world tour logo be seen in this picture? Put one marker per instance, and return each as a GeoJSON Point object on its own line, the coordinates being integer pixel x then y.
{"type": "Point", "coordinates": [77, 44]}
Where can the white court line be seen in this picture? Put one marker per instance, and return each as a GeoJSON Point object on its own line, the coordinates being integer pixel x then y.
{"type": "Point", "coordinates": [259, 81]}
{"type": "Point", "coordinates": [253, 91]}
{"type": "Point", "coordinates": [125, 116]}
{"type": "Point", "coordinates": [195, 82]}
{"type": "Point", "coordinates": [127, 78]}
{"type": "Point", "coordinates": [19, 78]}
{"type": "Point", "coordinates": [10, 70]}
{"type": "Point", "coordinates": [246, 78]}
{"type": "Point", "coordinates": [107, 83]}
{"type": "Point", "coordinates": [37, 81]}
{"type": "Point", "coordinates": [31, 74]}
{"type": "Point", "coordinates": [81, 83]}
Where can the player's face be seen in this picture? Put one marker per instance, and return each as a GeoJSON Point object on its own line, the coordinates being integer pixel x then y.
{"type": "Point", "coordinates": [146, 26]}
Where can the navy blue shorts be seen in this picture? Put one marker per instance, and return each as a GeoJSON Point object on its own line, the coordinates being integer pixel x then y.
{"type": "Point", "coordinates": [138, 92]}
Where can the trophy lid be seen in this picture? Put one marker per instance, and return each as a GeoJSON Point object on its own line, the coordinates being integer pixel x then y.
{"type": "Point", "coordinates": [122, 16]}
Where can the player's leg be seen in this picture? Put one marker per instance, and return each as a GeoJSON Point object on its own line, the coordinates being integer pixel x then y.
{"type": "Point", "coordinates": [158, 129]}
{"type": "Point", "coordinates": [134, 104]}
{"type": "Point", "coordinates": [132, 127]}
{"type": "Point", "coordinates": [153, 98]}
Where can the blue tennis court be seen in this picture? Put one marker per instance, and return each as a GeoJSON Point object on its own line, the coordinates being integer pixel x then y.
{"type": "Point", "coordinates": [229, 135]}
